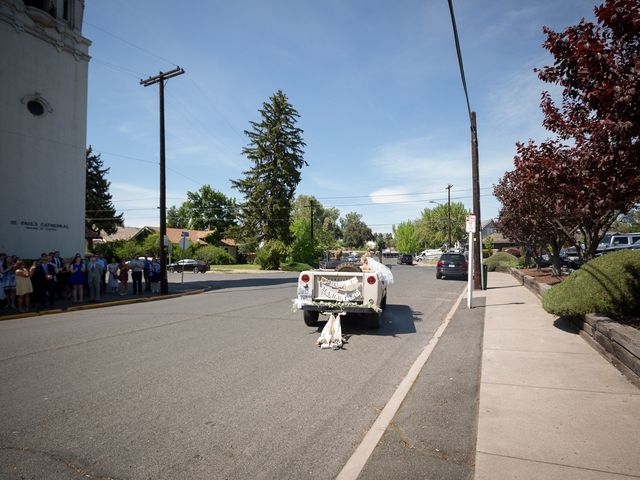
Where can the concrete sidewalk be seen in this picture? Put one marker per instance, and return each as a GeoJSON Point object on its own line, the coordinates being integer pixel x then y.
{"type": "Point", "coordinates": [550, 406]}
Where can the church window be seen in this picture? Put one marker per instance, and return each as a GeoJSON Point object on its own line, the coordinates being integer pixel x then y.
{"type": "Point", "coordinates": [35, 107]}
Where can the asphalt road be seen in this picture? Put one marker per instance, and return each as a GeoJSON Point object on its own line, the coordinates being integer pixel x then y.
{"type": "Point", "coordinates": [226, 384]}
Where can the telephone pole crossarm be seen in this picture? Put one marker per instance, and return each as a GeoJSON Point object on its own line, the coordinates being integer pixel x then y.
{"type": "Point", "coordinates": [162, 76]}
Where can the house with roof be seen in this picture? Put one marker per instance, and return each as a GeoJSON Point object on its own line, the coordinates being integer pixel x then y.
{"type": "Point", "coordinates": [197, 237]}
{"type": "Point", "coordinates": [124, 234]}
{"type": "Point", "coordinates": [489, 228]}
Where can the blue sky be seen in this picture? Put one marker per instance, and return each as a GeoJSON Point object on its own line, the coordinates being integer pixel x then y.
{"type": "Point", "coordinates": [376, 84]}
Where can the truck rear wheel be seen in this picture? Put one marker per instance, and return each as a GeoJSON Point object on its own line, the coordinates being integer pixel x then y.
{"type": "Point", "coordinates": [310, 318]}
{"type": "Point", "coordinates": [373, 320]}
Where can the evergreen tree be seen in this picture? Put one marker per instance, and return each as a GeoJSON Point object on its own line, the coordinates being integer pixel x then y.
{"type": "Point", "coordinates": [100, 214]}
{"type": "Point", "coordinates": [276, 151]}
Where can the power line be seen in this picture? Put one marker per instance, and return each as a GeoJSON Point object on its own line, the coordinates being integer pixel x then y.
{"type": "Point", "coordinates": [459, 53]}
{"type": "Point", "coordinates": [212, 103]}
{"type": "Point", "coordinates": [131, 44]}
{"type": "Point", "coordinates": [119, 68]}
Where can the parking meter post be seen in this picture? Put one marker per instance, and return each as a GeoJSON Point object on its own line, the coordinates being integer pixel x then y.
{"type": "Point", "coordinates": [182, 276]}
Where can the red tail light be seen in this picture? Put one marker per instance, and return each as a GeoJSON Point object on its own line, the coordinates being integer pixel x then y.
{"type": "Point", "coordinates": [371, 280]}
{"type": "Point", "coordinates": [440, 263]}
{"type": "Point", "coordinates": [463, 264]}
{"type": "Point", "coordinates": [305, 278]}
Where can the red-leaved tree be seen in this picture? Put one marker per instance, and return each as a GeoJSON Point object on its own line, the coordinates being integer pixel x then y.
{"type": "Point", "coordinates": [598, 68]}
{"type": "Point", "coordinates": [595, 175]}
{"type": "Point", "coordinates": [532, 199]}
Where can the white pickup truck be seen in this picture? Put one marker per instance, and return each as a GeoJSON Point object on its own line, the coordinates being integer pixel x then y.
{"type": "Point", "coordinates": [327, 291]}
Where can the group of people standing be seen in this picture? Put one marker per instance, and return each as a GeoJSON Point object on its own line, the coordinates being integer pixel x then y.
{"type": "Point", "coordinates": [52, 277]}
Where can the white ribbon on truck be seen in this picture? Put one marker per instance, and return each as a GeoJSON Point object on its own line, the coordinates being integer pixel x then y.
{"type": "Point", "coordinates": [331, 336]}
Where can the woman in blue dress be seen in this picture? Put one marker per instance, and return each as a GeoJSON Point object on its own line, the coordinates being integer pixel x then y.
{"type": "Point", "coordinates": [76, 280]}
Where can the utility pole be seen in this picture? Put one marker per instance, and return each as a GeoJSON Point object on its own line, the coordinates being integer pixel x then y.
{"type": "Point", "coordinates": [311, 213]}
{"type": "Point", "coordinates": [477, 254]}
{"type": "Point", "coordinates": [160, 79]}
{"type": "Point", "coordinates": [449, 210]}
{"type": "Point", "coordinates": [474, 158]}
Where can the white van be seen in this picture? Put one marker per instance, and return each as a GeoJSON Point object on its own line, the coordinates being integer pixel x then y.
{"type": "Point", "coordinates": [433, 253]}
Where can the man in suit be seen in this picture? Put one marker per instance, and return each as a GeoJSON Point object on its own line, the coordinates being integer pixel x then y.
{"type": "Point", "coordinates": [94, 278]}
{"type": "Point", "coordinates": [43, 278]}
{"type": "Point", "coordinates": [58, 263]}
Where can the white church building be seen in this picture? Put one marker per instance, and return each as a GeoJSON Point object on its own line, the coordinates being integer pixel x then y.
{"type": "Point", "coordinates": [44, 63]}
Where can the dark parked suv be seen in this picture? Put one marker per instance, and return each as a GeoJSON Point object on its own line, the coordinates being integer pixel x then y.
{"type": "Point", "coordinates": [406, 259]}
{"type": "Point", "coordinates": [451, 264]}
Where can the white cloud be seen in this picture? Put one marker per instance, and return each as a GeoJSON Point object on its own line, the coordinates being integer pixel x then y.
{"type": "Point", "coordinates": [390, 194]}
{"type": "Point", "coordinates": [424, 164]}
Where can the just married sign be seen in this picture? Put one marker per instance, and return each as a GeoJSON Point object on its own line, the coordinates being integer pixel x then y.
{"type": "Point", "coordinates": [340, 290]}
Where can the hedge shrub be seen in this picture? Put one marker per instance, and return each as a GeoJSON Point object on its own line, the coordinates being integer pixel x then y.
{"type": "Point", "coordinates": [271, 254]}
{"type": "Point", "coordinates": [609, 285]}
{"type": "Point", "coordinates": [214, 255]}
{"type": "Point", "coordinates": [501, 259]}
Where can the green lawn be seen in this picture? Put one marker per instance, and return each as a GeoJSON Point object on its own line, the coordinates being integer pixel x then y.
{"type": "Point", "coordinates": [227, 268]}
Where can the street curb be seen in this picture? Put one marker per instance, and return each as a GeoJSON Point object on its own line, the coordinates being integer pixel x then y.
{"type": "Point", "coordinates": [538, 289]}
{"type": "Point", "coordinates": [91, 306]}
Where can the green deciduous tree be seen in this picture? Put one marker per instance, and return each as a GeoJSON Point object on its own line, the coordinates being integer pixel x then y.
{"type": "Point", "coordinates": [100, 214]}
{"type": "Point", "coordinates": [406, 237]}
{"type": "Point", "coordinates": [433, 225]}
{"type": "Point", "coordinates": [206, 209]}
{"type": "Point", "coordinates": [354, 231]}
{"type": "Point", "coordinates": [326, 229]}
{"type": "Point", "coordinates": [271, 254]}
{"type": "Point", "coordinates": [151, 245]}
{"type": "Point", "coordinates": [209, 209]}
{"type": "Point", "coordinates": [276, 152]}
{"type": "Point", "coordinates": [302, 249]}
{"type": "Point", "coordinates": [177, 217]}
